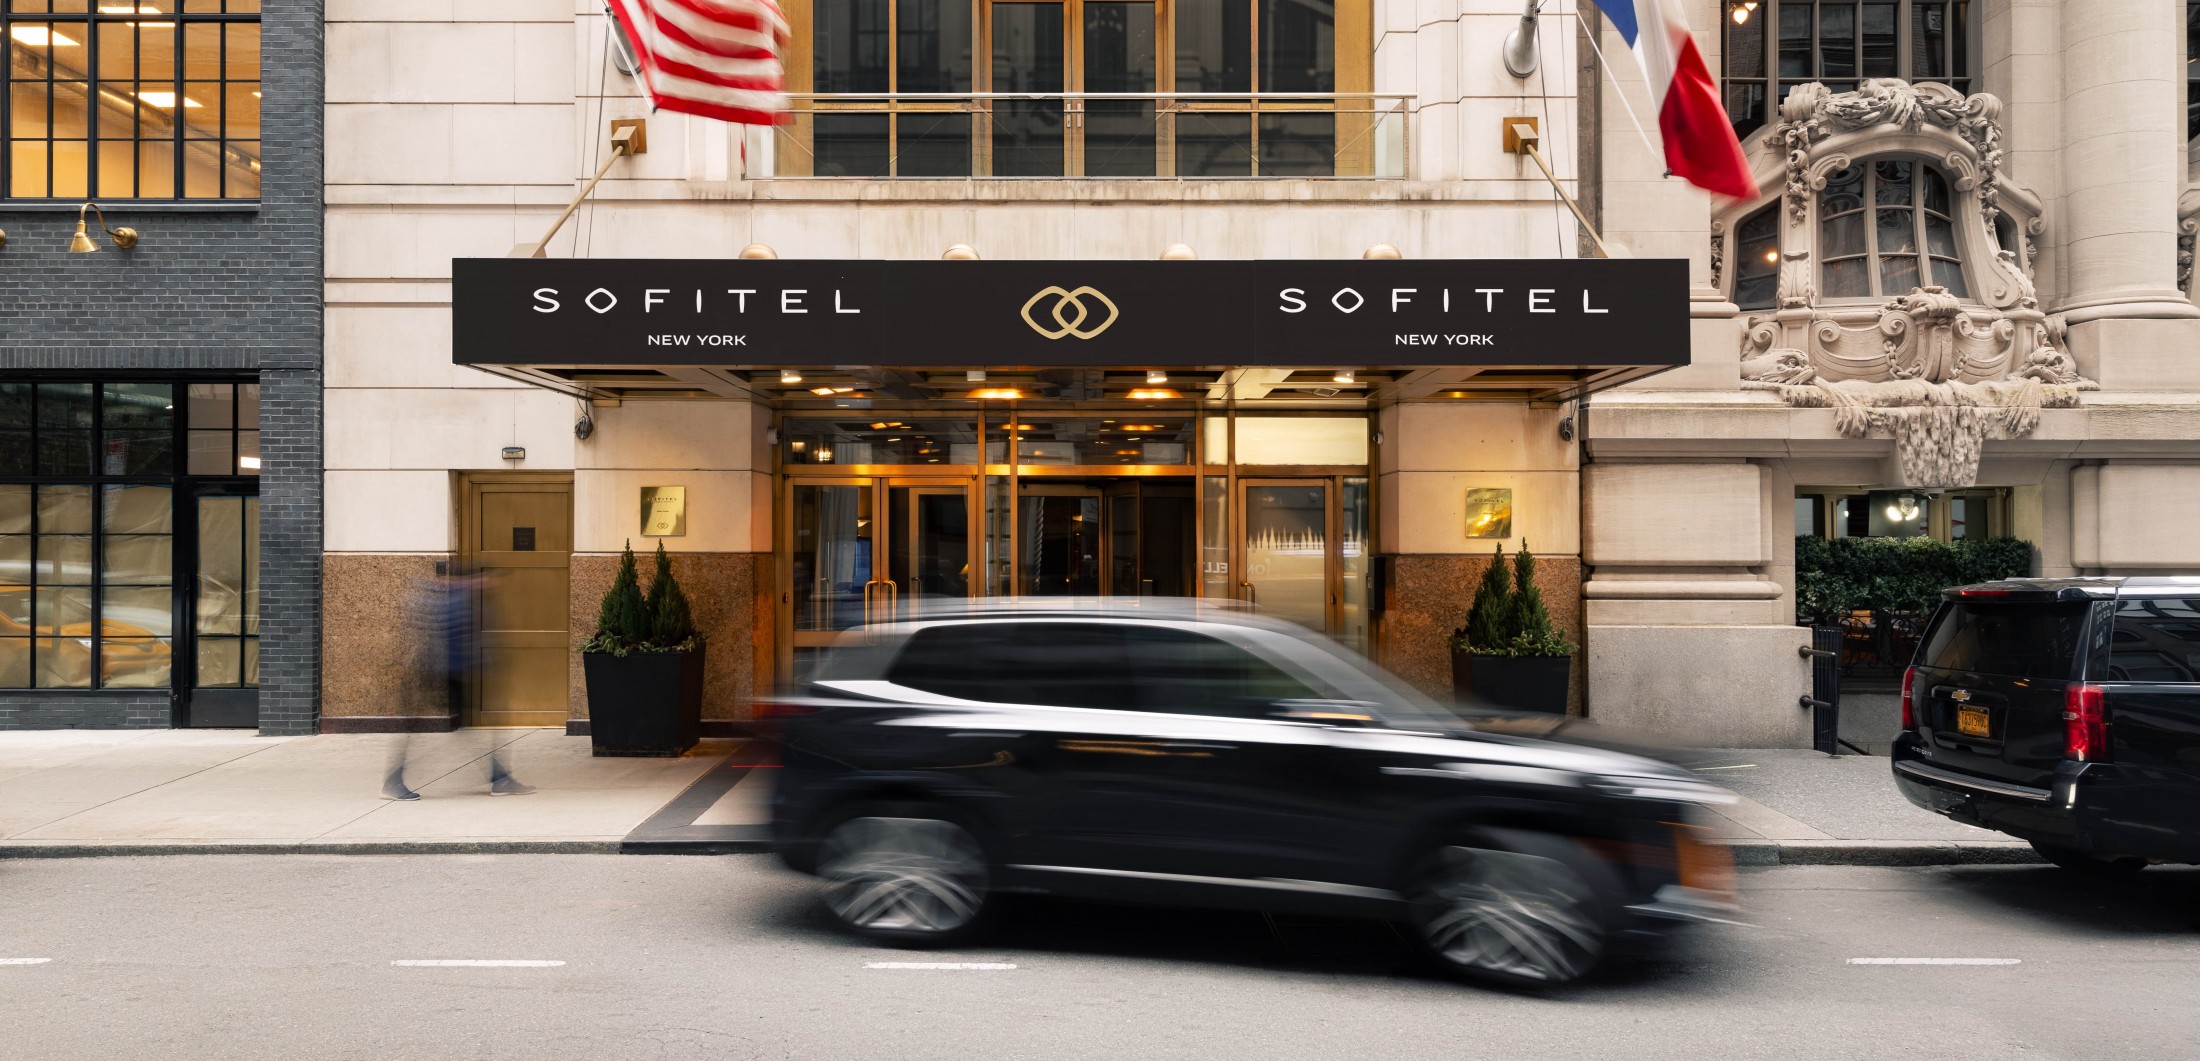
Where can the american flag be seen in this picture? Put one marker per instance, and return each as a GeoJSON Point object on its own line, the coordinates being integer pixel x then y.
{"type": "Point", "coordinates": [716, 58]}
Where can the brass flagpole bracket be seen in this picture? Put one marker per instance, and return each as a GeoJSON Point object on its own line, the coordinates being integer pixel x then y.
{"type": "Point", "coordinates": [1522, 138]}
{"type": "Point", "coordinates": [629, 136]}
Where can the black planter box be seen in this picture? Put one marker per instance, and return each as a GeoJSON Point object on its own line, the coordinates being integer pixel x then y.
{"type": "Point", "coordinates": [644, 703]}
{"type": "Point", "coordinates": [1522, 683]}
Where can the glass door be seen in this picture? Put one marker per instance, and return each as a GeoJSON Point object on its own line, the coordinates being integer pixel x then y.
{"type": "Point", "coordinates": [1049, 47]}
{"type": "Point", "coordinates": [1117, 53]}
{"type": "Point", "coordinates": [1287, 568]}
{"type": "Point", "coordinates": [867, 550]}
{"type": "Point", "coordinates": [224, 687]}
{"type": "Point", "coordinates": [1058, 539]}
{"type": "Point", "coordinates": [1030, 46]}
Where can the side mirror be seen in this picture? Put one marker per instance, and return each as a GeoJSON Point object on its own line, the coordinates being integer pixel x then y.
{"type": "Point", "coordinates": [1326, 712]}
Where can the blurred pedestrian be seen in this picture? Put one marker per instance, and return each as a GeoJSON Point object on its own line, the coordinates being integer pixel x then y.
{"type": "Point", "coordinates": [440, 612]}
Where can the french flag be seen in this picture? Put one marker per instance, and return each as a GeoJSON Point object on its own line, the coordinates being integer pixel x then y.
{"type": "Point", "coordinates": [1699, 139]}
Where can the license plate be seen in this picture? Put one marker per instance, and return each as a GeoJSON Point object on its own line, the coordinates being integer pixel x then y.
{"type": "Point", "coordinates": [1971, 721]}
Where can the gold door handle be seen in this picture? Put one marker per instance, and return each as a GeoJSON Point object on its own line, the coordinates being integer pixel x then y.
{"type": "Point", "coordinates": [1252, 593]}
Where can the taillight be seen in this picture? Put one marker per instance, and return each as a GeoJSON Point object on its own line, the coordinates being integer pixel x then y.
{"type": "Point", "coordinates": [1909, 704]}
{"type": "Point", "coordinates": [2085, 724]}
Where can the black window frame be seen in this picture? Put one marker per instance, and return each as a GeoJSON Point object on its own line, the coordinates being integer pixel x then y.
{"type": "Point", "coordinates": [1752, 100]}
{"type": "Point", "coordinates": [183, 540]}
{"type": "Point", "coordinates": [92, 20]}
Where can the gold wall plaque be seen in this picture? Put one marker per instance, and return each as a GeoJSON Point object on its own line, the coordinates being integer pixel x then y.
{"type": "Point", "coordinates": [664, 511]}
{"type": "Point", "coordinates": [1490, 512]}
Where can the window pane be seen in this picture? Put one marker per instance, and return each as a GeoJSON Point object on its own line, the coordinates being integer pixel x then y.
{"type": "Point", "coordinates": [2156, 640]}
{"type": "Point", "coordinates": [1795, 40]}
{"type": "Point", "coordinates": [131, 611]}
{"type": "Point", "coordinates": [1028, 57]}
{"type": "Point", "coordinates": [1298, 46]}
{"type": "Point", "coordinates": [1897, 232]}
{"type": "Point", "coordinates": [1949, 274]}
{"type": "Point", "coordinates": [1757, 292]}
{"type": "Point", "coordinates": [1299, 144]}
{"type": "Point", "coordinates": [1214, 145]}
{"type": "Point", "coordinates": [849, 45]}
{"type": "Point", "coordinates": [932, 144]}
{"type": "Point", "coordinates": [251, 676]}
{"type": "Point", "coordinates": [1745, 105]}
{"type": "Point", "coordinates": [156, 169]}
{"type": "Point", "coordinates": [248, 406]}
{"type": "Point", "coordinates": [221, 565]}
{"type": "Point", "coordinates": [221, 663]}
{"type": "Point", "coordinates": [1892, 183]}
{"type": "Point", "coordinates": [209, 453]}
{"type": "Point", "coordinates": [248, 453]}
{"type": "Point", "coordinates": [15, 429]}
{"type": "Point", "coordinates": [1840, 236]}
{"type": "Point", "coordinates": [1848, 279]}
{"type": "Point", "coordinates": [1056, 664]}
{"type": "Point", "coordinates": [933, 45]}
{"type": "Point", "coordinates": [1940, 236]}
{"type": "Point", "coordinates": [64, 510]}
{"type": "Point", "coordinates": [1936, 190]}
{"type": "Point", "coordinates": [1806, 517]}
{"type": "Point", "coordinates": [1928, 39]}
{"type": "Point", "coordinates": [140, 428]}
{"type": "Point", "coordinates": [63, 560]}
{"type": "Point", "coordinates": [1745, 47]}
{"type": "Point", "coordinates": [65, 610]}
{"type": "Point", "coordinates": [137, 559]}
{"type": "Point", "coordinates": [1180, 672]}
{"type": "Point", "coordinates": [1120, 56]}
{"type": "Point", "coordinates": [241, 114]}
{"type": "Point", "coordinates": [1844, 192]}
{"type": "Point", "coordinates": [1959, 517]}
{"type": "Point", "coordinates": [1898, 275]}
{"type": "Point", "coordinates": [15, 655]}
{"type": "Point", "coordinates": [135, 663]}
{"type": "Point", "coordinates": [15, 508]}
{"type": "Point", "coordinates": [1837, 40]}
{"type": "Point", "coordinates": [211, 404]}
{"type": "Point", "coordinates": [62, 664]}
{"type": "Point", "coordinates": [241, 172]}
{"type": "Point", "coordinates": [851, 145]}
{"type": "Point", "coordinates": [1879, 40]}
{"type": "Point", "coordinates": [1214, 46]}
{"type": "Point", "coordinates": [137, 510]}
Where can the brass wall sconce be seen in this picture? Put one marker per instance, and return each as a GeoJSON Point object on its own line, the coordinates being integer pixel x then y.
{"type": "Point", "coordinates": [3, 237]}
{"type": "Point", "coordinates": [961, 252]}
{"type": "Point", "coordinates": [125, 237]}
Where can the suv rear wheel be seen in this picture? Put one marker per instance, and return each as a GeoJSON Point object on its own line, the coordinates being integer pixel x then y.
{"type": "Point", "coordinates": [905, 875]}
{"type": "Point", "coordinates": [2085, 864]}
{"type": "Point", "coordinates": [1523, 909]}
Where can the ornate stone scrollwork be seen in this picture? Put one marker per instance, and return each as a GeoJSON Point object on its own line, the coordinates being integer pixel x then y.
{"type": "Point", "coordinates": [1718, 251]}
{"type": "Point", "coordinates": [1939, 371]}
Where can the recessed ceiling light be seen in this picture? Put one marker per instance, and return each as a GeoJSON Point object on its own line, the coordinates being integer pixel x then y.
{"type": "Point", "coordinates": [789, 376]}
{"type": "Point", "coordinates": [997, 394]}
{"type": "Point", "coordinates": [1343, 375]}
{"type": "Point", "coordinates": [37, 35]}
{"type": "Point", "coordinates": [1157, 377]}
{"type": "Point", "coordinates": [167, 100]}
{"type": "Point", "coordinates": [822, 392]}
{"type": "Point", "coordinates": [1154, 394]}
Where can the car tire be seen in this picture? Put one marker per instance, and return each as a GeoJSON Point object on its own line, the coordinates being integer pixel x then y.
{"type": "Point", "coordinates": [908, 875]}
{"type": "Point", "coordinates": [2088, 865]}
{"type": "Point", "coordinates": [1516, 909]}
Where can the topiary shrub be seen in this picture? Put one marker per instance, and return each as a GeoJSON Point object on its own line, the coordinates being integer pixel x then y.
{"type": "Point", "coordinates": [671, 623]}
{"type": "Point", "coordinates": [628, 621]}
{"type": "Point", "coordinates": [1508, 617]}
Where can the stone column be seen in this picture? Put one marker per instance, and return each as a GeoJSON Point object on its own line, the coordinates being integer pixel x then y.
{"type": "Point", "coordinates": [2123, 153]}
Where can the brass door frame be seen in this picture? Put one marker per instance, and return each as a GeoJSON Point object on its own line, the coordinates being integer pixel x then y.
{"type": "Point", "coordinates": [468, 528]}
{"type": "Point", "coordinates": [884, 527]}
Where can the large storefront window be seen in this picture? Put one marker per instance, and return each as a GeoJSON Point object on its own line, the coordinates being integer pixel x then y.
{"type": "Point", "coordinates": [90, 487]}
{"type": "Point", "coordinates": [154, 99]}
{"type": "Point", "coordinates": [1774, 45]}
{"type": "Point", "coordinates": [897, 88]}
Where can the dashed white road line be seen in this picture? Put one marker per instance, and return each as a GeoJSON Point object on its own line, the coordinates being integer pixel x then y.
{"type": "Point", "coordinates": [24, 961]}
{"type": "Point", "coordinates": [1936, 961]}
{"type": "Point", "coordinates": [940, 965]}
{"type": "Point", "coordinates": [479, 963]}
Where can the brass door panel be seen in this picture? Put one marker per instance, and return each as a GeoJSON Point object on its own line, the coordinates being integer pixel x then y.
{"type": "Point", "coordinates": [519, 540]}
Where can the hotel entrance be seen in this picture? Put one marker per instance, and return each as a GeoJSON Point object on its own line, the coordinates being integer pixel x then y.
{"type": "Point", "coordinates": [883, 512]}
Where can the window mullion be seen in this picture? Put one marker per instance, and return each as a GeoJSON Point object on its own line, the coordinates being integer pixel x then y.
{"type": "Point", "coordinates": [96, 564]}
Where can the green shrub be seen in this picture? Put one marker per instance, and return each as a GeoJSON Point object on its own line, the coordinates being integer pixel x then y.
{"type": "Point", "coordinates": [627, 621]}
{"type": "Point", "coordinates": [1835, 576]}
{"type": "Point", "coordinates": [1508, 617]}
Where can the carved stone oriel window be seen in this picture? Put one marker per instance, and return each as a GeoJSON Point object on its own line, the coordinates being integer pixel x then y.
{"type": "Point", "coordinates": [1918, 317]}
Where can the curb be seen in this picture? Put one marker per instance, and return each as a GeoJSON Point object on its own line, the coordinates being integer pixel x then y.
{"type": "Point", "coordinates": [1883, 853]}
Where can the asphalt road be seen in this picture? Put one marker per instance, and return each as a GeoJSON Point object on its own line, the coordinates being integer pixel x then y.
{"type": "Point", "coordinates": [292, 957]}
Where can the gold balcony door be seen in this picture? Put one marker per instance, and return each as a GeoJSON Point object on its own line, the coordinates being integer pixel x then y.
{"type": "Point", "coordinates": [518, 540]}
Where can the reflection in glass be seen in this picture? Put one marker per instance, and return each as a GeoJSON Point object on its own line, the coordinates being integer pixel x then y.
{"type": "Point", "coordinates": [1298, 47]}
{"type": "Point", "coordinates": [1119, 57]}
{"type": "Point", "coordinates": [932, 46]}
{"type": "Point", "coordinates": [1028, 57]}
{"type": "Point", "coordinates": [851, 145]}
{"type": "Point", "coordinates": [999, 503]}
{"type": "Point", "coordinates": [1214, 46]}
{"type": "Point", "coordinates": [1213, 144]}
{"type": "Point", "coordinates": [1214, 546]}
{"type": "Point", "coordinates": [930, 553]}
{"type": "Point", "coordinates": [832, 555]}
{"type": "Point", "coordinates": [1356, 568]}
{"type": "Point", "coordinates": [849, 45]}
{"type": "Point", "coordinates": [1298, 144]}
{"type": "Point", "coordinates": [15, 652]}
{"type": "Point", "coordinates": [932, 144]}
{"type": "Point", "coordinates": [135, 663]}
{"type": "Point", "coordinates": [140, 428]}
{"type": "Point", "coordinates": [221, 568]}
{"type": "Point", "coordinates": [1058, 534]}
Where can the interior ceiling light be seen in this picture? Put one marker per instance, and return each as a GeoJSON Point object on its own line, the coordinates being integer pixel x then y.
{"type": "Point", "coordinates": [167, 100]}
{"type": "Point", "coordinates": [789, 376]}
{"type": "Point", "coordinates": [40, 35]}
{"type": "Point", "coordinates": [1152, 394]}
{"type": "Point", "coordinates": [996, 394]}
{"type": "Point", "coordinates": [976, 375]}
{"type": "Point", "coordinates": [1343, 376]}
{"type": "Point", "coordinates": [822, 392]}
{"type": "Point", "coordinates": [1157, 377]}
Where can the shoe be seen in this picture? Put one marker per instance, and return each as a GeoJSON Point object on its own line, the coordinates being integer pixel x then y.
{"type": "Point", "coordinates": [509, 786]}
{"type": "Point", "coordinates": [399, 792]}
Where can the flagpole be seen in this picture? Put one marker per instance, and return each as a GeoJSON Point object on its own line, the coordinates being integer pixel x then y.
{"type": "Point", "coordinates": [1590, 32]}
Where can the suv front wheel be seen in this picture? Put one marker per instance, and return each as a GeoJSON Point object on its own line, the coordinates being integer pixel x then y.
{"type": "Point", "coordinates": [904, 875]}
{"type": "Point", "coordinates": [1524, 910]}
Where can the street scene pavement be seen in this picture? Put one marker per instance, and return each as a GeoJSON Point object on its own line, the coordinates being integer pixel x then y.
{"type": "Point", "coordinates": [607, 957]}
{"type": "Point", "coordinates": [83, 792]}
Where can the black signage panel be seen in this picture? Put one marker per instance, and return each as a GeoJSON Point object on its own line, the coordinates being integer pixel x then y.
{"type": "Point", "coordinates": [1556, 312]}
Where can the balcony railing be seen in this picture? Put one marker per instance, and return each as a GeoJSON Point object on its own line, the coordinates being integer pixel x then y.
{"type": "Point", "coordinates": [1101, 135]}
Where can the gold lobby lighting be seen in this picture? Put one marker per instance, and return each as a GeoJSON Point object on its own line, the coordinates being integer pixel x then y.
{"type": "Point", "coordinates": [1156, 377]}
{"type": "Point", "coordinates": [125, 237]}
{"type": "Point", "coordinates": [1153, 394]}
{"type": "Point", "coordinates": [789, 377]}
{"type": "Point", "coordinates": [1344, 375]}
{"type": "Point", "coordinates": [996, 394]}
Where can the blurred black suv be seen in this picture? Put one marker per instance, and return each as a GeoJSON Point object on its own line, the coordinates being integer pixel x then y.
{"type": "Point", "coordinates": [2065, 712]}
{"type": "Point", "coordinates": [1167, 752]}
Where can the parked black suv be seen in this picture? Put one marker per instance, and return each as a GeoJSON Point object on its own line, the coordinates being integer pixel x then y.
{"type": "Point", "coordinates": [2065, 712]}
{"type": "Point", "coordinates": [1166, 752]}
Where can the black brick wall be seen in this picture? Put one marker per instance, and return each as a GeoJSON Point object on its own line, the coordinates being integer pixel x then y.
{"type": "Point", "coordinates": [227, 288]}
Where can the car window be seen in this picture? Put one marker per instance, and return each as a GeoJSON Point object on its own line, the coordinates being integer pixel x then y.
{"type": "Point", "coordinates": [2155, 640]}
{"type": "Point", "coordinates": [2022, 640]}
{"type": "Point", "coordinates": [1185, 672]}
{"type": "Point", "coordinates": [1056, 664]}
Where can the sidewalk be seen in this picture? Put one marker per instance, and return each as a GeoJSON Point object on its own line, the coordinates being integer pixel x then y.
{"type": "Point", "coordinates": [112, 792]}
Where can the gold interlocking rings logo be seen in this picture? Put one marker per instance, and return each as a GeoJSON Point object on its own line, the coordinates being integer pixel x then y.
{"type": "Point", "coordinates": [1064, 303]}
